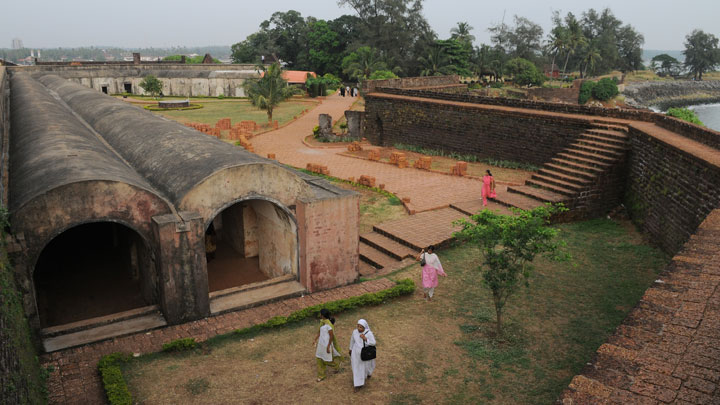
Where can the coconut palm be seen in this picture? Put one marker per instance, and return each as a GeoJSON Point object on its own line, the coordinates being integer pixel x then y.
{"type": "Point", "coordinates": [462, 33]}
{"type": "Point", "coordinates": [360, 64]}
{"type": "Point", "coordinates": [269, 90]}
{"type": "Point", "coordinates": [592, 56]}
{"type": "Point", "coordinates": [575, 38]}
{"type": "Point", "coordinates": [436, 63]}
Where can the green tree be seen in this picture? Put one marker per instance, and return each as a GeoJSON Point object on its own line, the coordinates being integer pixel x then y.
{"type": "Point", "coordinates": [701, 53]}
{"type": "Point", "coordinates": [629, 44]}
{"type": "Point", "coordinates": [152, 85]}
{"type": "Point", "coordinates": [524, 72]}
{"type": "Point", "coordinates": [666, 65]}
{"type": "Point", "coordinates": [382, 74]}
{"type": "Point", "coordinates": [323, 48]}
{"type": "Point", "coordinates": [509, 244]}
{"type": "Point", "coordinates": [591, 56]}
{"type": "Point", "coordinates": [436, 63]}
{"type": "Point", "coordinates": [461, 33]}
{"type": "Point", "coordinates": [359, 65]}
{"type": "Point", "coordinates": [524, 40]}
{"type": "Point", "coordinates": [268, 91]}
{"type": "Point", "coordinates": [252, 48]}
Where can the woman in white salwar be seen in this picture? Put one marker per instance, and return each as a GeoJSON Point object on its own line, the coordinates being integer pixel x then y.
{"type": "Point", "coordinates": [362, 336]}
{"type": "Point", "coordinates": [325, 352]}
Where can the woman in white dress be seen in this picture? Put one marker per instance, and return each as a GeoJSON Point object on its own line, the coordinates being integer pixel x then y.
{"type": "Point", "coordinates": [325, 352]}
{"type": "Point", "coordinates": [362, 336]}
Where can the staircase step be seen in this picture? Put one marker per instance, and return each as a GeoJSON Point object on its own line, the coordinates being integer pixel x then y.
{"type": "Point", "coordinates": [588, 158]}
{"type": "Point", "coordinates": [388, 246]}
{"type": "Point", "coordinates": [610, 125]}
{"type": "Point", "coordinates": [538, 194]}
{"type": "Point", "coordinates": [609, 133]}
{"type": "Point", "coordinates": [573, 169]}
{"type": "Point", "coordinates": [604, 139]}
{"type": "Point", "coordinates": [614, 155]}
{"type": "Point", "coordinates": [516, 200]}
{"type": "Point", "coordinates": [565, 178]}
{"type": "Point", "coordinates": [601, 144]}
{"type": "Point", "coordinates": [374, 257]}
{"type": "Point", "coordinates": [552, 187]}
{"type": "Point", "coordinates": [366, 269]}
{"type": "Point", "coordinates": [583, 161]}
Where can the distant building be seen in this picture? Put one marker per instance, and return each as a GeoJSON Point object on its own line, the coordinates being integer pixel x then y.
{"type": "Point", "coordinates": [17, 43]}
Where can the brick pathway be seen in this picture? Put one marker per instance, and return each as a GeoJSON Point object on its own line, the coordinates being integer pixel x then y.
{"type": "Point", "coordinates": [76, 379]}
{"type": "Point", "coordinates": [668, 348]}
{"type": "Point", "coordinates": [425, 190]}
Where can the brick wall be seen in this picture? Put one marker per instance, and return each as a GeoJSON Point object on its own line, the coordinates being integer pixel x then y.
{"type": "Point", "coordinates": [4, 135]}
{"type": "Point", "coordinates": [369, 86]}
{"type": "Point", "coordinates": [565, 95]}
{"type": "Point", "coordinates": [669, 192]}
{"type": "Point", "coordinates": [468, 129]}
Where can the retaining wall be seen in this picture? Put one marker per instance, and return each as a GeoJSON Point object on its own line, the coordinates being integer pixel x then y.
{"type": "Point", "coordinates": [4, 134]}
{"type": "Point", "coordinates": [434, 82]}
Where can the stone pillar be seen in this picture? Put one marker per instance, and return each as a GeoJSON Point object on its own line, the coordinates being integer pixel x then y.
{"type": "Point", "coordinates": [325, 124]}
{"type": "Point", "coordinates": [182, 281]}
{"type": "Point", "coordinates": [136, 58]}
{"type": "Point", "coordinates": [355, 123]}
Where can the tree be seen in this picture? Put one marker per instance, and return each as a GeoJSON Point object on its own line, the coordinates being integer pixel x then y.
{"type": "Point", "coordinates": [701, 53]}
{"type": "Point", "coordinates": [382, 74]}
{"type": "Point", "coordinates": [436, 63]}
{"type": "Point", "coordinates": [152, 85]}
{"type": "Point", "coordinates": [524, 40]}
{"type": "Point", "coordinates": [590, 58]}
{"type": "Point", "coordinates": [268, 91]}
{"type": "Point", "coordinates": [359, 65]}
{"type": "Point", "coordinates": [509, 244]}
{"type": "Point", "coordinates": [461, 33]}
{"type": "Point", "coordinates": [524, 72]}
{"type": "Point", "coordinates": [666, 65]}
{"type": "Point", "coordinates": [324, 48]}
{"type": "Point", "coordinates": [629, 44]}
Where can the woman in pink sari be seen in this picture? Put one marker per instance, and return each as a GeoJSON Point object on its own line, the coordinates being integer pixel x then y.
{"type": "Point", "coordinates": [430, 271]}
{"type": "Point", "coordinates": [488, 188]}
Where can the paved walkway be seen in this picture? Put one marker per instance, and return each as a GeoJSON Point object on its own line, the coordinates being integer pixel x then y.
{"type": "Point", "coordinates": [425, 190]}
{"type": "Point", "coordinates": [668, 348]}
{"type": "Point", "coordinates": [75, 379]}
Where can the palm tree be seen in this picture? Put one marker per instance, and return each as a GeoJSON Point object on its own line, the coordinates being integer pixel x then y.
{"type": "Point", "coordinates": [436, 63]}
{"type": "Point", "coordinates": [269, 90]}
{"type": "Point", "coordinates": [575, 38]}
{"type": "Point", "coordinates": [462, 33]}
{"type": "Point", "coordinates": [558, 42]}
{"type": "Point", "coordinates": [360, 64]}
{"type": "Point", "coordinates": [592, 56]}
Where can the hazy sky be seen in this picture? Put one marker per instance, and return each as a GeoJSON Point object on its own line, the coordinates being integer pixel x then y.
{"type": "Point", "coordinates": [163, 23]}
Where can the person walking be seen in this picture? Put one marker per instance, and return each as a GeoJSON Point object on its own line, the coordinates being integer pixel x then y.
{"type": "Point", "coordinates": [326, 353]}
{"type": "Point", "coordinates": [488, 188]}
{"type": "Point", "coordinates": [342, 91]}
{"type": "Point", "coordinates": [362, 369]}
{"type": "Point", "coordinates": [430, 270]}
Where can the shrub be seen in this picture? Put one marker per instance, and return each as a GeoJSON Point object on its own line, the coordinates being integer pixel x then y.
{"type": "Point", "coordinates": [685, 114]}
{"type": "Point", "coordinates": [496, 85]}
{"type": "Point", "coordinates": [586, 91]}
{"type": "Point", "coordinates": [115, 386]}
{"type": "Point", "coordinates": [605, 89]}
{"type": "Point", "coordinates": [180, 345]}
{"type": "Point", "coordinates": [382, 75]}
{"type": "Point", "coordinates": [221, 96]}
{"type": "Point", "coordinates": [316, 130]}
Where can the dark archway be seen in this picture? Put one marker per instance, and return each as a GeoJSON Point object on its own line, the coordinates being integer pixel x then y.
{"type": "Point", "coordinates": [93, 270]}
{"type": "Point", "coordinates": [248, 242]}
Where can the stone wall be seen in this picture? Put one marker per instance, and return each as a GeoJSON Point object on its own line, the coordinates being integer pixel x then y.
{"type": "Point", "coordinates": [4, 134]}
{"type": "Point", "coordinates": [666, 94]}
{"type": "Point", "coordinates": [434, 82]}
{"type": "Point", "coordinates": [468, 129]}
{"type": "Point", "coordinates": [565, 95]}
{"type": "Point", "coordinates": [669, 191]}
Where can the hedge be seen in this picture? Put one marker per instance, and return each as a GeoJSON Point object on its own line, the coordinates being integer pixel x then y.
{"type": "Point", "coordinates": [116, 387]}
{"type": "Point", "coordinates": [157, 108]}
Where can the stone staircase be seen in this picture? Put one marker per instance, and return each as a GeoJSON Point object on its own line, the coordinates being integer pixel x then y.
{"type": "Point", "coordinates": [573, 176]}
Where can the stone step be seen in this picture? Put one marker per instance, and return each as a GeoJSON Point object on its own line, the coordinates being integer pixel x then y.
{"type": "Point", "coordinates": [252, 286]}
{"type": "Point", "coordinates": [98, 321]}
{"type": "Point", "coordinates": [389, 246]}
{"type": "Point", "coordinates": [561, 178]}
{"type": "Point", "coordinates": [577, 166]}
{"type": "Point", "coordinates": [620, 135]}
{"type": "Point", "coordinates": [602, 145]}
{"type": "Point", "coordinates": [604, 139]}
{"type": "Point", "coordinates": [569, 192]}
{"type": "Point", "coordinates": [614, 155]}
{"type": "Point", "coordinates": [366, 269]}
{"type": "Point", "coordinates": [473, 206]}
{"type": "Point", "coordinates": [374, 257]}
{"type": "Point", "coordinates": [538, 194]}
{"type": "Point", "coordinates": [571, 169]}
{"type": "Point", "coordinates": [521, 201]}
{"type": "Point", "coordinates": [587, 158]}
{"type": "Point", "coordinates": [610, 125]}
{"type": "Point", "coordinates": [423, 229]}
{"type": "Point", "coordinates": [256, 297]}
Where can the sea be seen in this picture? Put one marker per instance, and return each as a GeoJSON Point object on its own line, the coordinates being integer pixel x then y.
{"type": "Point", "coordinates": [709, 114]}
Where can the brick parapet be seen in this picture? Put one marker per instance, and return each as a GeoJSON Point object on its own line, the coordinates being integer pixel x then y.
{"type": "Point", "coordinates": [666, 350]}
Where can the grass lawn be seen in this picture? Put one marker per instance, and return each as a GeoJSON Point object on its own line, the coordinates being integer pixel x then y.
{"type": "Point", "coordinates": [239, 110]}
{"type": "Point", "coordinates": [433, 352]}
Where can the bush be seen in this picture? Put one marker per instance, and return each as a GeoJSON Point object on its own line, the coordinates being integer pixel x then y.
{"type": "Point", "coordinates": [685, 114]}
{"type": "Point", "coordinates": [318, 86]}
{"type": "Point", "coordinates": [115, 386]}
{"type": "Point", "coordinates": [221, 96]}
{"type": "Point", "coordinates": [316, 131]}
{"type": "Point", "coordinates": [586, 91]}
{"type": "Point", "coordinates": [605, 89]}
{"type": "Point", "coordinates": [180, 345]}
{"type": "Point", "coordinates": [496, 85]}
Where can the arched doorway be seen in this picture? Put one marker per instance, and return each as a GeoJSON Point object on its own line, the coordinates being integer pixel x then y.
{"type": "Point", "coordinates": [251, 241]}
{"type": "Point", "coordinates": [93, 270]}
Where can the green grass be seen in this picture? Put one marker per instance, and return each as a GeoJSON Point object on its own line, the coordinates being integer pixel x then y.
{"type": "Point", "coordinates": [238, 110]}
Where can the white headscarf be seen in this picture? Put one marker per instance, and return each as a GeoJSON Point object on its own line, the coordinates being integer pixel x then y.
{"type": "Point", "coordinates": [365, 325]}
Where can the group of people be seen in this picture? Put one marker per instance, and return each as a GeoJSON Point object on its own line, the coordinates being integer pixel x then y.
{"type": "Point", "coordinates": [352, 92]}
{"type": "Point", "coordinates": [327, 355]}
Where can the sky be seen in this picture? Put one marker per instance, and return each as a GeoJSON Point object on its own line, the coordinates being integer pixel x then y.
{"type": "Point", "coordinates": [164, 23]}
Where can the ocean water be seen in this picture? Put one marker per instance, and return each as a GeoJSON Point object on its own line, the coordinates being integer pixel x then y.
{"type": "Point", "coordinates": [709, 114]}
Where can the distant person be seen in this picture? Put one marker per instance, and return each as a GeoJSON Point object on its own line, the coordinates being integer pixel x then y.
{"type": "Point", "coordinates": [357, 92]}
{"type": "Point", "coordinates": [430, 270]}
{"type": "Point", "coordinates": [342, 91]}
{"type": "Point", "coordinates": [326, 353]}
{"type": "Point", "coordinates": [488, 188]}
{"type": "Point", "coordinates": [347, 90]}
{"type": "Point", "coordinates": [362, 369]}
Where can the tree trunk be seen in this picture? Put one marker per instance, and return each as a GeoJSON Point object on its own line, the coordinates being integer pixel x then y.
{"type": "Point", "coordinates": [269, 114]}
{"type": "Point", "coordinates": [567, 58]}
{"type": "Point", "coordinates": [498, 313]}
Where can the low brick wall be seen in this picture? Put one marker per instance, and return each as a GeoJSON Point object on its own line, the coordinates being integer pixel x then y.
{"type": "Point", "coordinates": [4, 135]}
{"type": "Point", "coordinates": [369, 86]}
{"type": "Point", "coordinates": [476, 130]}
{"type": "Point", "coordinates": [565, 95]}
{"type": "Point", "coordinates": [669, 191]}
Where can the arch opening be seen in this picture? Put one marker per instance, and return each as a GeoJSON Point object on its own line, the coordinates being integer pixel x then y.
{"type": "Point", "coordinates": [93, 270]}
{"type": "Point", "coordinates": [251, 241]}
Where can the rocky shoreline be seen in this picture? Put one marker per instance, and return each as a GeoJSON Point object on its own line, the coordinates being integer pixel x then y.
{"type": "Point", "coordinates": [667, 94]}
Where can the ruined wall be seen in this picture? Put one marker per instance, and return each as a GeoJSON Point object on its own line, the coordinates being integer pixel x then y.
{"type": "Point", "coordinates": [669, 191]}
{"type": "Point", "coordinates": [436, 82]}
{"type": "Point", "coordinates": [326, 225]}
{"type": "Point", "coordinates": [565, 95]}
{"type": "Point", "coordinates": [4, 134]}
{"type": "Point", "coordinates": [468, 129]}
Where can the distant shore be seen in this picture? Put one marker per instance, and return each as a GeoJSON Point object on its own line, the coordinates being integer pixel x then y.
{"type": "Point", "coordinates": [667, 94]}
